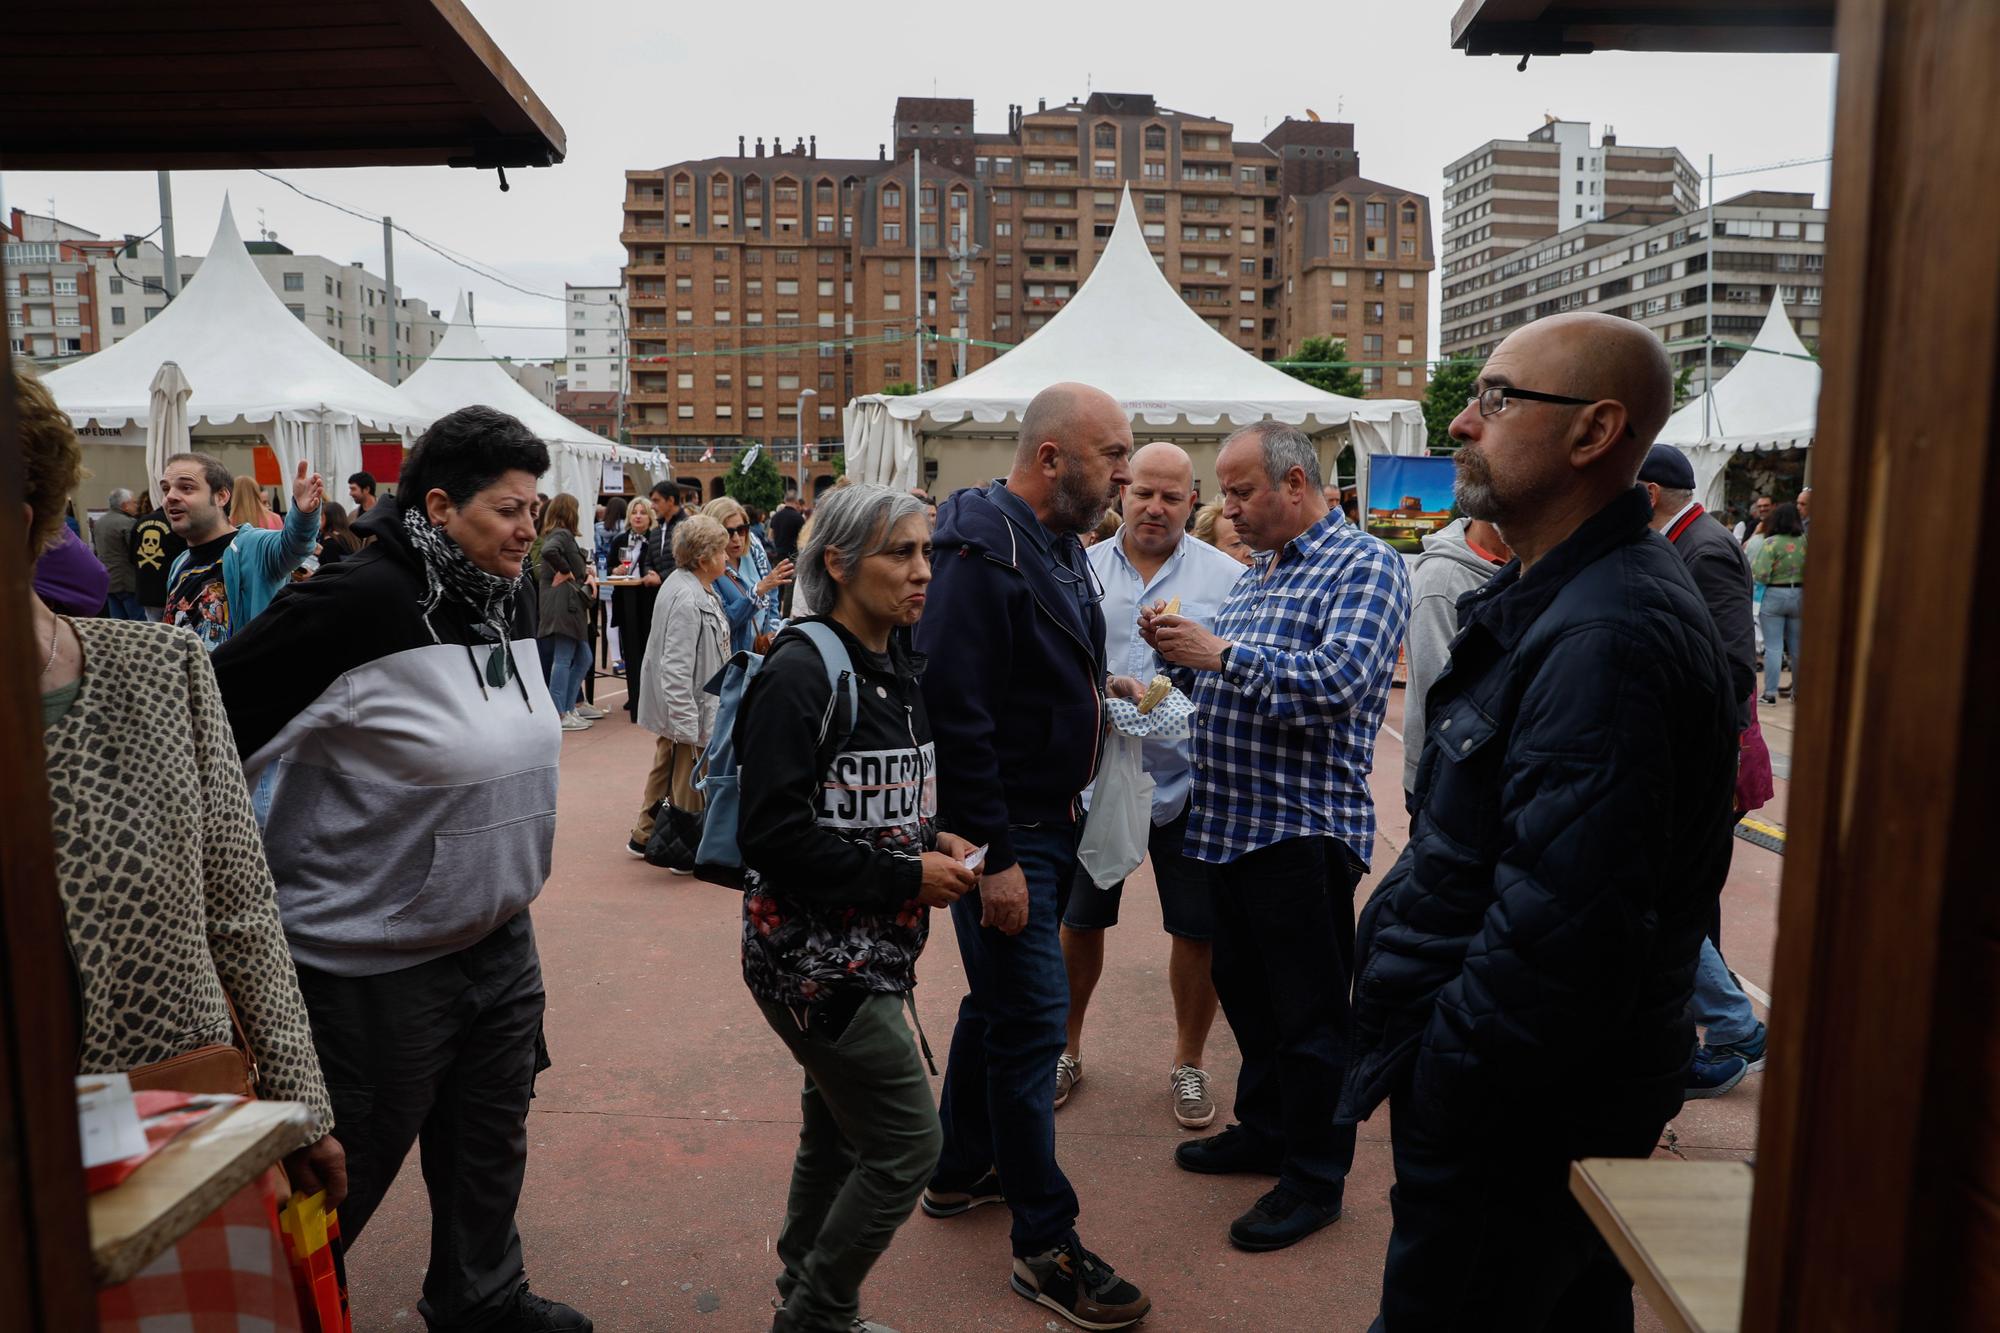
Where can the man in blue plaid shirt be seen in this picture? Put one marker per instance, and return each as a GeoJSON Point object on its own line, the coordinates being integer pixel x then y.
{"type": "Point", "coordinates": [1289, 691]}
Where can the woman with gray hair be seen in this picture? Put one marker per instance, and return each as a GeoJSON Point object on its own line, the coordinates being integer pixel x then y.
{"type": "Point", "coordinates": [686, 645]}
{"type": "Point", "coordinates": [842, 859]}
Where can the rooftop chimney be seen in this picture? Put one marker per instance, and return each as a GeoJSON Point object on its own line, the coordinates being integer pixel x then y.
{"type": "Point", "coordinates": [1041, 104]}
{"type": "Point", "coordinates": [760, 145]}
{"type": "Point", "coordinates": [881, 152]}
{"type": "Point", "coordinates": [813, 150]}
{"type": "Point", "coordinates": [739, 145]}
{"type": "Point", "coordinates": [799, 148]}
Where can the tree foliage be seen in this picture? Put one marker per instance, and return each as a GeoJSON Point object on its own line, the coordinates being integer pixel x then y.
{"type": "Point", "coordinates": [1343, 380]}
{"type": "Point", "coordinates": [900, 389]}
{"type": "Point", "coordinates": [1681, 394]}
{"type": "Point", "coordinates": [762, 487]}
{"type": "Point", "coordinates": [1444, 398]}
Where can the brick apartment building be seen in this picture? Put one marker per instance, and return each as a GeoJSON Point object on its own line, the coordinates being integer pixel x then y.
{"type": "Point", "coordinates": [775, 276]}
{"type": "Point", "coordinates": [51, 300]}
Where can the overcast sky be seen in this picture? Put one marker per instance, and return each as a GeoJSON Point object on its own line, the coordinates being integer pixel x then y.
{"type": "Point", "coordinates": [640, 85]}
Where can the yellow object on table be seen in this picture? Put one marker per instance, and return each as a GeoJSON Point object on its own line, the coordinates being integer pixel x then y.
{"type": "Point", "coordinates": [1681, 1230]}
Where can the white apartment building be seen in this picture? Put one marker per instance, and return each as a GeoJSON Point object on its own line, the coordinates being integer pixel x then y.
{"type": "Point", "coordinates": [1654, 269]}
{"type": "Point", "coordinates": [594, 344]}
{"type": "Point", "coordinates": [343, 304]}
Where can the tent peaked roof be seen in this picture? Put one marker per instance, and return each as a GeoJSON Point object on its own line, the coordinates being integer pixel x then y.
{"type": "Point", "coordinates": [1768, 400]}
{"type": "Point", "coordinates": [461, 372]}
{"type": "Point", "coordinates": [1128, 332]}
{"type": "Point", "coordinates": [248, 358]}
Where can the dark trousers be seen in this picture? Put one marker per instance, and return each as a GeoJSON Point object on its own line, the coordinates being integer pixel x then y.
{"type": "Point", "coordinates": [1487, 1237]}
{"type": "Point", "coordinates": [444, 1053]}
{"type": "Point", "coordinates": [1284, 962]}
{"type": "Point", "coordinates": [998, 1106]}
{"type": "Point", "coordinates": [868, 1140]}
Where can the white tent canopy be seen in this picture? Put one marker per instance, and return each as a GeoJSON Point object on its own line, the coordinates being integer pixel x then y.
{"type": "Point", "coordinates": [1768, 400]}
{"type": "Point", "coordinates": [1128, 332]}
{"type": "Point", "coordinates": [255, 369]}
{"type": "Point", "coordinates": [460, 372]}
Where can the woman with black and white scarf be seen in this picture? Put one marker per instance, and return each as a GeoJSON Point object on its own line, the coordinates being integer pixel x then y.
{"type": "Point", "coordinates": [412, 823]}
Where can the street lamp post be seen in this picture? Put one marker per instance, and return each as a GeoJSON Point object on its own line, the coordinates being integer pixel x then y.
{"type": "Point", "coordinates": [801, 444]}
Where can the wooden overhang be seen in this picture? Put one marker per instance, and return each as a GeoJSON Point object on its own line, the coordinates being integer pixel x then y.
{"type": "Point", "coordinates": [1577, 27]}
{"type": "Point", "coordinates": [126, 85]}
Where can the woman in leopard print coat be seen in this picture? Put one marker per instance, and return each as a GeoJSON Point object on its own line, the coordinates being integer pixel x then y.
{"type": "Point", "coordinates": [167, 899]}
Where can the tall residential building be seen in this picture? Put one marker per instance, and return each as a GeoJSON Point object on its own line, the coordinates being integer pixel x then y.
{"type": "Point", "coordinates": [594, 345]}
{"type": "Point", "coordinates": [343, 304]}
{"type": "Point", "coordinates": [51, 303]}
{"type": "Point", "coordinates": [1509, 192]}
{"type": "Point", "coordinates": [1652, 265]}
{"type": "Point", "coordinates": [753, 278]}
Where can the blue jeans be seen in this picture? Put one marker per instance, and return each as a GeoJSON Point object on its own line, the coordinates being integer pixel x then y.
{"type": "Point", "coordinates": [1719, 1004]}
{"type": "Point", "coordinates": [1779, 615]}
{"type": "Point", "coordinates": [569, 663]}
{"type": "Point", "coordinates": [998, 1107]}
{"type": "Point", "coordinates": [124, 606]}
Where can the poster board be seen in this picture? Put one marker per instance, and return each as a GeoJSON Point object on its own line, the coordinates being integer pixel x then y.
{"type": "Point", "coordinates": [1407, 499]}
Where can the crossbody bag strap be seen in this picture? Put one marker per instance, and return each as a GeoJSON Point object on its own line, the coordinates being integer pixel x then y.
{"type": "Point", "coordinates": [839, 674]}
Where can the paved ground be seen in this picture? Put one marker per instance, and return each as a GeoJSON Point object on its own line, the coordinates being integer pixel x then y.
{"type": "Point", "coordinates": [662, 1137]}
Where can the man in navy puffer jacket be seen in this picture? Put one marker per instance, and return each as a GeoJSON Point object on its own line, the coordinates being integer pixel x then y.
{"type": "Point", "coordinates": [1524, 970]}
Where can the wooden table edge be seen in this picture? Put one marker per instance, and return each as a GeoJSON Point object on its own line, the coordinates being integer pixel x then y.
{"type": "Point", "coordinates": [1632, 1256]}
{"type": "Point", "coordinates": [121, 1258]}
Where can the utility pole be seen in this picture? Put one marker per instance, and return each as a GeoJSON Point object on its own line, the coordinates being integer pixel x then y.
{"type": "Point", "coordinates": [389, 283]}
{"type": "Point", "coordinates": [170, 277]}
{"type": "Point", "coordinates": [917, 235]}
{"type": "Point", "coordinates": [1708, 320]}
{"type": "Point", "coordinates": [618, 312]}
{"type": "Point", "coordinates": [800, 445]}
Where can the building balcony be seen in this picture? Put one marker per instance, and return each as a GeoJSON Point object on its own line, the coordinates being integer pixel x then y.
{"type": "Point", "coordinates": [646, 203]}
{"type": "Point", "coordinates": [646, 397]}
{"type": "Point", "coordinates": [639, 300]}
{"type": "Point", "coordinates": [631, 234]}
{"type": "Point", "coordinates": [1205, 247]}
{"type": "Point", "coordinates": [1065, 243]}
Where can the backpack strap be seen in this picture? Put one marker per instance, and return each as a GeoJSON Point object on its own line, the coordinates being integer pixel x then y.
{"type": "Point", "coordinates": [839, 673]}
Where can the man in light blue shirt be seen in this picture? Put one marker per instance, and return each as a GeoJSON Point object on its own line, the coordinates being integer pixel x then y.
{"type": "Point", "coordinates": [1151, 560]}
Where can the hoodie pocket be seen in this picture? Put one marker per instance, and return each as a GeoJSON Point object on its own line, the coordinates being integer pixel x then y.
{"type": "Point", "coordinates": [478, 878]}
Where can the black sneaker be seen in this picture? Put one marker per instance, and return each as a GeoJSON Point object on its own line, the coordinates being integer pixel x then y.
{"type": "Point", "coordinates": [637, 848]}
{"type": "Point", "coordinates": [1281, 1218]}
{"type": "Point", "coordinates": [529, 1313]}
{"type": "Point", "coordinates": [1079, 1286]}
{"type": "Point", "coordinates": [1232, 1152]}
{"type": "Point", "coordinates": [950, 1203]}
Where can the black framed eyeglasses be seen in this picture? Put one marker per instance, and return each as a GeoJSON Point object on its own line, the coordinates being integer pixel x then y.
{"type": "Point", "coordinates": [1492, 400]}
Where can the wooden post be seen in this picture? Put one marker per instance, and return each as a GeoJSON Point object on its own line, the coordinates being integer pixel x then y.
{"type": "Point", "coordinates": [45, 1280]}
{"type": "Point", "coordinates": [1878, 1172]}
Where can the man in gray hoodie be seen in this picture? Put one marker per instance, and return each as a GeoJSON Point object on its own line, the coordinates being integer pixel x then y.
{"type": "Point", "coordinates": [1457, 558]}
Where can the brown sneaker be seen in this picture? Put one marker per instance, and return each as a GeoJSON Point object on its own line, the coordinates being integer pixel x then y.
{"type": "Point", "coordinates": [1069, 1073]}
{"type": "Point", "coordinates": [1193, 1106]}
{"type": "Point", "coordinates": [1079, 1286]}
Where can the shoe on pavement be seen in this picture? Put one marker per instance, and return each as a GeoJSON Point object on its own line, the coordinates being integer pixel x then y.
{"type": "Point", "coordinates": [1767, 698]}
{"type": "Point", "coordinates": [1079, 1286]}
{"type": "Point", "coordinates": [1751, 1049]}
{"type": "Point", "coordinates": [529, 1313]}
{"type": "Point", "coordinates": [590, 712]}
{"type": "Point", "coordinates": [950, 1203]}
{"type": "Point", "coordinates": [636, 848]}
{"type": "Point", "coordinates": [1193, 1107]}
{"type": "Point", "coordinates": [571, 722]}
{"type": "Point", "coordinates": [1232, 1152]}
{"type": "Point", "coordinates": [1281, 1218]}
{"type": "Point", "coordinates": [1069, 1073]}
{"type": "Point", "coordinates": [782, 1322]}
{"type": "Point", "coordinates": [1715, 1071]}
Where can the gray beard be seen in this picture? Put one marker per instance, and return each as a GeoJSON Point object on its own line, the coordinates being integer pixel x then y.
{"type": "Point", "coordinates": [1076, 509]}
{"type": "Point", "coordinates": [1472, 489]}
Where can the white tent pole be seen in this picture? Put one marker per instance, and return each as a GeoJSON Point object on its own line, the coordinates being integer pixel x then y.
{"type": "Point", "coordinates": [1708, 320]}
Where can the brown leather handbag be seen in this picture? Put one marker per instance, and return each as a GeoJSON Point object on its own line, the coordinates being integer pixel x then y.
{"type": "Point", "coordinates": [218, 1068]}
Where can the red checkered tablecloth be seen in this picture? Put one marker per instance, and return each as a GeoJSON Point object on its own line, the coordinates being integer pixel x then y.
{"type": "Point", "coordinates": [228, 1275]}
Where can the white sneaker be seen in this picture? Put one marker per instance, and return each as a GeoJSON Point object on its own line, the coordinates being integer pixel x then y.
{"type": "Point", "coordinates": [590, 712]}
{"type": "Point", "coordinates": [571, 722]}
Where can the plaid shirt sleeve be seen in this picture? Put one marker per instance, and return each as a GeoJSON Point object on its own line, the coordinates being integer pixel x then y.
{"type": "Point", "coordinates": [1363, 619]}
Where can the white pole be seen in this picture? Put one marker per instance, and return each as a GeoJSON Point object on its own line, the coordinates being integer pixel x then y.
{"type": "Point", "coordinates": [1708, 321]}
{"type": "Point", "coordinates": [800, 445]}
{"type": "Point", "coordinates": [964, 291]}
{"type": "Point", "coordinates": [917, 235]}
{"type": "Point", "coordinates": [389, 289]}
{"type": "Point", "coordinates": [170, 278]}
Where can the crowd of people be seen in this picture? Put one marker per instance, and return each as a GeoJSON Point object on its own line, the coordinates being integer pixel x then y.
{"type": "Point", "coordinates": [925, 731]}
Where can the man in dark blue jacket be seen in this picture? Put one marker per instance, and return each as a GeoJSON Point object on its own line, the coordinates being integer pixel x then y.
{"type": "Point", "coordinates": [1015, 688]}
{"type": "Point", "coordinates": [1524, 969]}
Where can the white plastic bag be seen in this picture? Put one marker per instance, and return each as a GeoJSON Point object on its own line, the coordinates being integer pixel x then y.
{"type": "Point", "coordinates": [1121, 813]}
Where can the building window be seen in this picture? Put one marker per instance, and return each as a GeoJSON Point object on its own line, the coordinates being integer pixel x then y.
{"type": "Point", "coordinates": [1105, 168]}
{"type": "Point", "coordinates": [1340, 312]}
{"type": "Point", "coordinates": [1340, 213]}
{"type": "Point", "coordinates": [1105, 136]}
{"type": "Point", "coordinates": [1409, 215]}
{"type": "Point", "coordinates": [117, 286]}
{"type": "Point", "coordinates": [892, 231]}
{"type": "Point", "coordinates": [1406, 311]}
{"type": "Point", "coordinates": [1406, 279]}
{"type": "Point", "coordinates": [1340, 277]}
{"type": "Point", "coordinates": [1374, 215]}
{"type": "Point", "coordinates": [118, 313]}
{"type": "Point", "coordinates": [892, 300]}
{"type": "Point", "coordinates": [1340, 245]}
{"type": "Point", "coordinates": [1405, 377]}
{"type": "Point", "coordinates": [892, 198]}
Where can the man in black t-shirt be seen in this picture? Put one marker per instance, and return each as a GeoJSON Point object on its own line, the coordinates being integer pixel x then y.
{"type": "Point", "coordinates": [154, 546]}
{"type": "Point", "coordinates": [785, 525]}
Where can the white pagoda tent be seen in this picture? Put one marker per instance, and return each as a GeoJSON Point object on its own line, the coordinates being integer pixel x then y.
{"type": "Point", "coordinates": [1128, 332]}
{"type": "Point", "coordinates": [254, 368]}
{"type": "Point", "coordinates": [1769, 400]}
{"type": "Point", "coordinates": [461, 372]}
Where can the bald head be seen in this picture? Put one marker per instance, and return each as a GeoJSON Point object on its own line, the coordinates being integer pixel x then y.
{"type": "Point", "coordinates": [1062, 413]}
{"type": "Point", "coordinates": [1163, 463]}
{"type": "Point", "coordinates": [1603, 356]}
